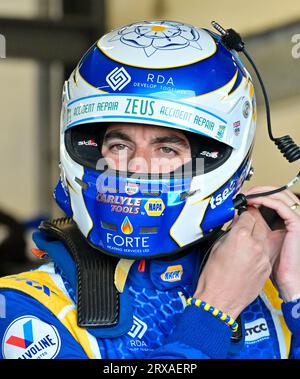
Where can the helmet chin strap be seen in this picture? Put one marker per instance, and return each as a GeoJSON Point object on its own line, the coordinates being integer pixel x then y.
{"type": "Point", "coordinates": [290, 150]}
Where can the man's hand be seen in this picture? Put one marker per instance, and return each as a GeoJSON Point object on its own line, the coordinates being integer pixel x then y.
{"type": "Point", "coordinates": [239, 265]}
{"type": "Point", "coordinates": [286, 270]}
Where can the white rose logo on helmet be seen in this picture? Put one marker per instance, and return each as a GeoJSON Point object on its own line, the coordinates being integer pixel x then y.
{"type": "Point", "coordinates": [153, 37]}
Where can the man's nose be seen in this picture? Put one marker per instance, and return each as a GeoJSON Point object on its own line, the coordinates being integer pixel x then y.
{"type": "Point", "coordinates": [140, 162]}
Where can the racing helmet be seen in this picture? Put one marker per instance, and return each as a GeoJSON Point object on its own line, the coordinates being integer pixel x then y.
{"type": "Point", "coordinates": [161, 73]}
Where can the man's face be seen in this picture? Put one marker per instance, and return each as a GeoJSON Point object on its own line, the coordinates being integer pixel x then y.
{"type": "Point", "coordinates": [143, 148]}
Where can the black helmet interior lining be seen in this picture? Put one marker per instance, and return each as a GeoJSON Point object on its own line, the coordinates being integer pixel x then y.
{"type": "Point", "coordinates": [83, 143]}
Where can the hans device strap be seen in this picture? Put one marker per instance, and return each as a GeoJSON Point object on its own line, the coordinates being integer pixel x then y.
{"type": "Point", "coordinates": [97, 297]}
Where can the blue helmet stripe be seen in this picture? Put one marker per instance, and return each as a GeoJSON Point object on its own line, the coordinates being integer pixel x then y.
{"type": "Point", "coordinates": [213, 73]}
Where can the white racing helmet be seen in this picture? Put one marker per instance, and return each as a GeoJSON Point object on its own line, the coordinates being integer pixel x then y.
{"type": "Point", "coordinates": [167, 74]}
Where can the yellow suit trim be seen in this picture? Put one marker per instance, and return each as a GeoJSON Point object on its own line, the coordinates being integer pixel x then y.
{"type": "Point", "coordinates": [121, 273]}
{"type": "Point", "coordinates": [41, 287]}
{"type": "Point", "coordinates": [275, 301]}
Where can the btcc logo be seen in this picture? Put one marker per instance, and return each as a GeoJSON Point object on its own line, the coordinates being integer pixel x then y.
{"type": "Point", "coordinates": [138, 328]}
{"type": "Point", "coordinates": [256, 330]}
{"type": "Point", "coordinates": [118, 78]}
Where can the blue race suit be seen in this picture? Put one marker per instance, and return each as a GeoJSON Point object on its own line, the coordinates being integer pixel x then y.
{"type": "Point", "coordinates": [38, 316]}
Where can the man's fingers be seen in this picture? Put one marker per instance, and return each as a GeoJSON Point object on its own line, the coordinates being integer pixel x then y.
{"type": "Point", "coordinates": [291, 217]}
{"type": "Point", "coordinates": [246, 221]}
{"type": "Point", "coordinates": [288, 197]}
{"type": "Point", "coordinates": [261, 228]}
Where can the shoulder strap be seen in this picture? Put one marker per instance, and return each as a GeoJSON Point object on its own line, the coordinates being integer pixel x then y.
{"type": "Point", "coordinates": [273, 302]}
{"type": "Point", "coordinates": [40, 286]}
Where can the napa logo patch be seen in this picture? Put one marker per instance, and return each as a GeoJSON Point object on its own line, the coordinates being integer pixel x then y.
{"type": "Point", "coordinates": [256, 331]}
{"type": "Point", "coordinates": [154, 207]}
{"type": "Point", "coordinates": [30, 338]}
{"type": "Point", "coordinates": [172, 274]}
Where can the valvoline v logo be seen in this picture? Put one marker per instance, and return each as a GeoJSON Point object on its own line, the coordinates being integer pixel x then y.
{"type": "Point", "coordinates": [172, 274]}
{"type": "Point", "coordinates": [30, 338]}
{"type": "Point", "coordinates": [24, 342]}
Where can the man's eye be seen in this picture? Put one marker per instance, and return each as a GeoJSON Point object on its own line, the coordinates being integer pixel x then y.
{"type": "Point", "coordinates": [167, 150]}
{"type": "Point", "coordinates": [118, 147]}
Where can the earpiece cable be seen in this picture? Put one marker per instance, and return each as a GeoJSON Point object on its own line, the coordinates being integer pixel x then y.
{"type": "Point", "coordinates": [289, 149]}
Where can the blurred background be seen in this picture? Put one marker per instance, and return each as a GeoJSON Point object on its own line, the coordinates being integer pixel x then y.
{"type": "Point", "coordinates": [44, 41]}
